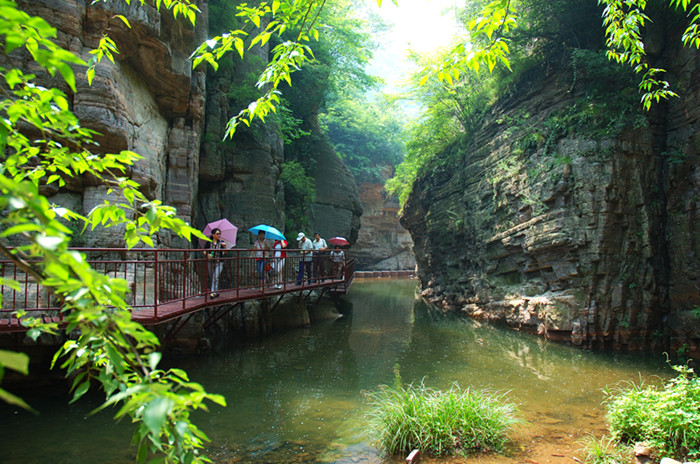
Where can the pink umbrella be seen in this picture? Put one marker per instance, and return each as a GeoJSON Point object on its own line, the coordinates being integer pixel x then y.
{"type": "Point", "coordinates": [228, 232]}
{"type": "Point", "coordinates": [338, 241]}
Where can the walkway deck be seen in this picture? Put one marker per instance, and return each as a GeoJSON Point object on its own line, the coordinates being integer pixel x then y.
{"type": "Point", "coordinates": [169, 284]}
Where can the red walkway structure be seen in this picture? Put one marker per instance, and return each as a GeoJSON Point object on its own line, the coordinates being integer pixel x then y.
{"type": "Point", "coordinates": [167, 284]}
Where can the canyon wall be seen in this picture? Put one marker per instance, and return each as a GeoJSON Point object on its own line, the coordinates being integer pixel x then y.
{"type": "Point", "coordinates": [337, 208]}
{"type": "Point", "coordinates": [382, 244]}
{"type": "Point", "coordinates": [149, 101]}
{"type": "Point", "coordinates": [240, 177]}
{"type": "Point", "coordinates": [566, 216]}
{"type": "Point", "coordinates": [152, 102]}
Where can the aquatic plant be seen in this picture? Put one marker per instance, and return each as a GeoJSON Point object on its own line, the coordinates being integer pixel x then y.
{"type": "Point", "coordinates": [605, 450]}
{"type": "Point", "coordinates": [455, 421]}
{"type": "Point", "coordinates": [667, 418]}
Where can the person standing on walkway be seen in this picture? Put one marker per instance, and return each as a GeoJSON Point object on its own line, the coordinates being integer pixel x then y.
{"type": "Point", "coordinates": [259, 248]}
{"type": "Point", "coordinates": [320, 246]}
{"type": "Point", "coordinates": [278, 262]}
{"type": "Point", "coordinates": [213, 254]}
{"type": "Point", "coordinates": [305, 259]}
{"type": "Point", "coordinates": [337, 262]}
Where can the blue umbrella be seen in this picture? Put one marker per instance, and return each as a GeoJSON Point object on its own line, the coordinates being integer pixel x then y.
{"type": "Point", "coordinates": [270, 232]}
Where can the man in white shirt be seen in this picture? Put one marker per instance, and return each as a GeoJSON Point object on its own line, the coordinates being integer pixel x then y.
{"type": "Point", "coordinates": [319, 256]}
{"type": "Point", "coordinates": [306, 255]}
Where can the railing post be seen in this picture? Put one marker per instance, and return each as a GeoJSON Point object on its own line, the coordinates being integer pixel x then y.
{"type": "Point", "coordinates": [261, 272]}
{"type": "Point", "coordinates": [184, 277]}
{"type": "Point", "coordinates": [155, 285]}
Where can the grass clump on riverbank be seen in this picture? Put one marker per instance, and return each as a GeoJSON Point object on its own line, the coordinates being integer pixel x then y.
{"type": "Point", "coordinates": [456, 421]}
{"type": "Point", "coordinates": [605, 450]}
{"type": "Point", "coordinates": [666, 419]}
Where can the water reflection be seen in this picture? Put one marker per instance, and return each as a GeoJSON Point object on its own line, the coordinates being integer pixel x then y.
{"type": "Point", "coordinates": [297, 397]}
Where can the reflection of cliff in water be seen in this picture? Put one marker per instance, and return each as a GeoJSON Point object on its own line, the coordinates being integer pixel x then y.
{"type": "Point", "coordinates": [445, 348]}
{"type": "Point", "coordinates": [286, 394]}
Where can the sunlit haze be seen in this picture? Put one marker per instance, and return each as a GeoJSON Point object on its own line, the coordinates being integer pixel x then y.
{"type": "Point", "coordinates": [418, 25]}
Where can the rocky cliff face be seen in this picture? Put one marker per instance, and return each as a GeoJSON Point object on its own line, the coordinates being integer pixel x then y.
{"type": "Point", "coordinates": [149, 101]}
{"type": "Point", "coordinates": [337, 209]}
{"type": "Point", "coordinates": [382, 244]}
{"type": "Point", "coordinates": [550, 221]}
{"type": "Point", "coordinates": [239, 178]}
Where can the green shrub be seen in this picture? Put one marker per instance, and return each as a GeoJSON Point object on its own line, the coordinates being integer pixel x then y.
{"type": "Point", "coordinates": [605, 450]}
{"type": "Point", "coordinates": [668, 419]}
{"type": "Point", "coordinates": [456, 421]}
{"type": "Point", "coordinates": [299, 193]}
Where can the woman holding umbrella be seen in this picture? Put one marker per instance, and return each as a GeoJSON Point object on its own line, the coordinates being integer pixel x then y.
{"type": "Point", "coordinates": [263, 231]}
{"type": "Point", "coordinates": [213, 254]}
{"type": "Point", "coordinates": [259, 248]}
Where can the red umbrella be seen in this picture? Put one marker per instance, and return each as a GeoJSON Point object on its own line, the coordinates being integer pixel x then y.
{"type": "Point", "coordinates": [338, 241]}
{"type": "Point", "coordinates": [228, 232]}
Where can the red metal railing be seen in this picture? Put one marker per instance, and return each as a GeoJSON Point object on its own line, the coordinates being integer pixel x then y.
{"type": "Point", "coordinates": [160, 277]}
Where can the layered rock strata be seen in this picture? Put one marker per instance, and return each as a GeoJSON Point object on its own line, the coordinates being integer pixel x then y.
{"type": "Point", "coordinates": [149, 100]}
{"type": "Point", "coordinates": [594, 240]}
{"type": "Point", "coordinates": [382, 244]}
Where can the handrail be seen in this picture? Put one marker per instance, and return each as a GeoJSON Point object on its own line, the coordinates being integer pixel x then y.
{"type": "Point", "coordinates": [160, 277]}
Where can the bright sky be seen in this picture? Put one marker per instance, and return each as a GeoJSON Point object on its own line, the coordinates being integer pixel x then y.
{"type": "Point", "coordinates": [420, 25]}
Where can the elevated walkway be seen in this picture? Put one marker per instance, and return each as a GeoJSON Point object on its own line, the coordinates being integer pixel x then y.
{"type": "Point", "coordinates": [167, 284]}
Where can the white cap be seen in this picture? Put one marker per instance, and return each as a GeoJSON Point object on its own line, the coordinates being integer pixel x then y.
{"type": "Point", "coordinates": [300, 236]}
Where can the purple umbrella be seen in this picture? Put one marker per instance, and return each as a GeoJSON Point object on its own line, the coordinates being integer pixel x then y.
{"type": "Point", "coordinates": [228, 232]}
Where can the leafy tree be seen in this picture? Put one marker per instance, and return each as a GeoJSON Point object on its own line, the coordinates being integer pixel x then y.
{"type": "Point", "coordinates": [367, 133]}
{"type": "Point", "coordinates": [343, 49]}
{"type": "Point", "coordinates": [42, 142]}
{"type": "Point", "coordinates": [624, 23]}
{"type": "Point", "coordinates": [341, 53]}
{"type": "Point", "coordinates": [451, 109]}
{"type": "Point", "coordinates": [489, 45]}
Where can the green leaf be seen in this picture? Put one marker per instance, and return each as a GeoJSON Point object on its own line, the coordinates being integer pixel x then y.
{"type": "Point", "coordinates": [124, 20]}
{"type": "Point", "coordinates": [154, 359]}
{"type": "Point", "coordinates": [156, 413]}
{"type": "Point", "coordinates": [13, 284]}
{"type": "Point", "coordinates": [34, 333]}
{"type": "Point", "coordinates": [16, 400]}
{"type": "Point", "coordinates": [16, 361]}
{"type": "Point", "coordinates": [80, 391]}
{"type": "Point", "coordinates": [142, 452]}
{"type": "Point", "coordinates": [68, 74]}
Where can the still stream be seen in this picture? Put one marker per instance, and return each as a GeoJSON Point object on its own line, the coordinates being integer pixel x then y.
{"type": "Point", "coordinates": [297, 397]}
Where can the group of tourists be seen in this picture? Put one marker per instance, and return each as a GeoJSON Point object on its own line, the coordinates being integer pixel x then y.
{"type": "Point", "coordinates": [314, 258]}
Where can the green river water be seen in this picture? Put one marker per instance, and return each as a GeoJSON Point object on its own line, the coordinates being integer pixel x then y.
{"type": "Point", "coordinates": [297, 397]}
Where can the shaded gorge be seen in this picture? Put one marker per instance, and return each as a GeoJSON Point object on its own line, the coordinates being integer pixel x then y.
{"type": "Point", "coordinates": [298, 396]}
